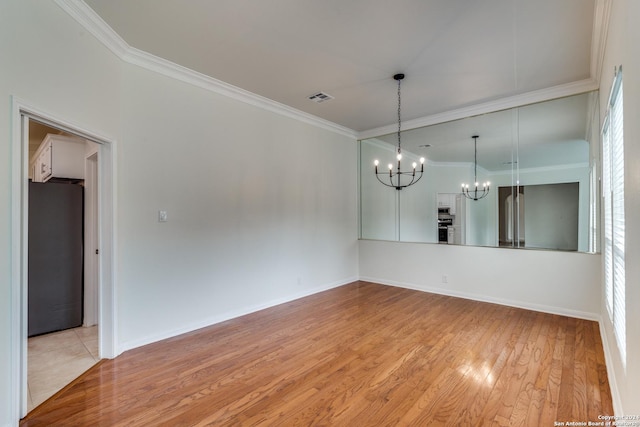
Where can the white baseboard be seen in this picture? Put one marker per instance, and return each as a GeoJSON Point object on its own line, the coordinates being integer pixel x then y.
{"type": "Point", "coordinates": [477, 297]}
{"type": "Point", "coordinates": [129, 345]}
{"type": "Point", "coordinates": [608, 359]}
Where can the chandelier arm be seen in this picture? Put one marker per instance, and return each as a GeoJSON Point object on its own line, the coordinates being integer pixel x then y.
{"type": "Point", "coordinates": [398, 175]}
{"type": "Point", "coordinates": [413, 178]}
{"type": "Point", "coordinates": [382, 182]}
{"type": "Point", "coordinates": [418, 178]}
{"type": "Point", "coordinates": [391, 175]}
{"type": "Point", "coordinates": [409, 183]}
{"type": "Point", "coordinates": [473, 195]}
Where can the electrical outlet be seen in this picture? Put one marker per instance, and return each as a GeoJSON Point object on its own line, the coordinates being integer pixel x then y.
{"type": "Point", "coordinates": [162, 216]}
{"type": "Point", "coordinates": [445, 278]}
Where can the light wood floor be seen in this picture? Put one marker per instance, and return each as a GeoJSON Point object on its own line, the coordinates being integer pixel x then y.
{"type": "Point", "coordinates": [359, 355]}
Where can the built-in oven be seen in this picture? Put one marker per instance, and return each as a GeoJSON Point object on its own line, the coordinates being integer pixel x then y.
{"type": "Point", "coordinates": [443, 234]}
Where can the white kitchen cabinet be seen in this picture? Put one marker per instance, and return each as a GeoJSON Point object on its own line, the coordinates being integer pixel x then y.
{"type": "Point", "coordinates": [447, 200]}
{"type": "Point", "coordinates": [59, 157]}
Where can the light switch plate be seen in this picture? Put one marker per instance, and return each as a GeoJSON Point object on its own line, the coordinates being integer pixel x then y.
{"type": "Point", "coordinates": [162, 216]}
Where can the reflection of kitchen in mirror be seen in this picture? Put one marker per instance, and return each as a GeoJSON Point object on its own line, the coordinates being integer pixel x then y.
{"type": "Point", "coordinates": [548, 150]}
{"type": "Point", "coordinates": [451, 218]}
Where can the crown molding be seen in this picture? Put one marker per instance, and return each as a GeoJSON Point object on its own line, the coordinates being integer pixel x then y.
{"type": "Point", "coordinates": [601, 15]}
{"type": "Point", "coordinates": [520, 100]}
{"type": "Point", "coordinates": [95, 25]}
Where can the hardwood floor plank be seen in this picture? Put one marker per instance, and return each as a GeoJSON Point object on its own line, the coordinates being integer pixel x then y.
{"type": "Point", "coordinates": [526, 373]}
{"type": "Point", "coordinates": [552, 392]}
{"type": "Point", "coordinates": [565, 401]}
{"type": "Point", "coordinates": [591, 381]}
{"type": "Point", "coordinates": [361, 354]}
{"type": "Point", "coordinates": [579, 406]}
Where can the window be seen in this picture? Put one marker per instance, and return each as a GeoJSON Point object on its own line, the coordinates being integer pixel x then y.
{"type": "Point", "coordinates": [614, 224]}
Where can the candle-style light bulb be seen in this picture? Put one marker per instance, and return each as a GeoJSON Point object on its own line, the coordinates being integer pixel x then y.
{"type": "Point", "coordinates": [414, 165]}
{"type": "Point", "coordinates": [399, 156]}
{"type": "Point", "coordinates": [390, 166]}
{"type": "Point", "coordinates": [376, 162]}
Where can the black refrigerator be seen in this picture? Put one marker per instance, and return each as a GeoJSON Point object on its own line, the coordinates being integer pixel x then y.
{"type": "Point", "coordinates": [56, 273]}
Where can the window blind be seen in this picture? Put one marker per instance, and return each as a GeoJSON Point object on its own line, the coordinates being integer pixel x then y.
{"type": "Point", "coordinates": [608, 231]}
{"type": "Point", "coordinates": [614, 221]}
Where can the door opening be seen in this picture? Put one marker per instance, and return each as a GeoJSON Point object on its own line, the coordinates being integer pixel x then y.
{"type": "Point", "coordinates": [97, 298]}
{"type": "Point", "coordinates": [62, 297]}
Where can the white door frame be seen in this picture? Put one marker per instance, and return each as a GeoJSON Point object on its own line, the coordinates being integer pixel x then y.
{"type": "Point", "coordinates": [91, 243]}
{"type": "Point", "coordinates": [107, 340]}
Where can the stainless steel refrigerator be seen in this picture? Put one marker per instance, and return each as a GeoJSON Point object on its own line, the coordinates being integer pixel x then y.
{"type": "Point", "coordinates": [55, 282]}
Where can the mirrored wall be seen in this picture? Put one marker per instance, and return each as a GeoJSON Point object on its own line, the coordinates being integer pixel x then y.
{"type": "Point", "coordinates": [540, 160]}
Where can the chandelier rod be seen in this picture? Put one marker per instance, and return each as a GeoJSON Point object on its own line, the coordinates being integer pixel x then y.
{"type": "Point", "coordinates": [399, 78]}
{"type": "Point", "coordinates": [475, 159]}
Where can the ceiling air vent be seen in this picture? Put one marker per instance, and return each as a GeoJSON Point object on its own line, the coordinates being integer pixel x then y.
{"type": "Point", "coordinates": [320, 97]}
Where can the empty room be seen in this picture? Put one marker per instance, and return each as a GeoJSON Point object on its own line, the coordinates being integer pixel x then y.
{"type": "Point", "coordinates": [353, 213]}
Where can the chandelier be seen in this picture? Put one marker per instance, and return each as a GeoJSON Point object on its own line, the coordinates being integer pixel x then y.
{"type": "Point", "coordinates": [394, 177]}
{"type": "Point", "coordinates": [475, 194]}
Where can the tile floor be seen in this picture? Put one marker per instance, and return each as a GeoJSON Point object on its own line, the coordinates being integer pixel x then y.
{"type": "Point", "coordinates": [56, 359]}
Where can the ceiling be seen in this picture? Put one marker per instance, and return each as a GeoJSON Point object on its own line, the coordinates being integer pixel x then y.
{"type": "Point", "coordinates": [455, 53]}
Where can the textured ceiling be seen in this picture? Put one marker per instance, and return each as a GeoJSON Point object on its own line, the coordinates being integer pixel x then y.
{"type": "Point", "coordinates": [455, 53]}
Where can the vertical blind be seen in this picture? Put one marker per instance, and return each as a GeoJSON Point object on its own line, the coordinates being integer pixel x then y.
{"type": "Point", "coordinates": [614, 224]}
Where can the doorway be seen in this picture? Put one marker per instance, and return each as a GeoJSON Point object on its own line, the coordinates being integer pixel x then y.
{"type": "Point", "coordinates": [62, 289]}
{"type": "Point", "coordinates": [100, 163]}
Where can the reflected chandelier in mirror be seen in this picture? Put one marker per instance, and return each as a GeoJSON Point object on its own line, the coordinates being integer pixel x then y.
{"type": "Point", "coordinates": [475, 194]}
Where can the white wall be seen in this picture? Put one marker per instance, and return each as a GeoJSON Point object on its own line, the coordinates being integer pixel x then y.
{"type": "Point", "coordinates": [262, 208]}
{"type": "Point", "coordinates": [47, 61]}
{"type": "Point", "coordinates": [557, 282]}
{"type": "Point", "coordinates": [622, 48]}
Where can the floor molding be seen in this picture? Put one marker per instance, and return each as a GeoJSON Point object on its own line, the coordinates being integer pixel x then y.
{"type": "Point", "coordinates": [608, 358]}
